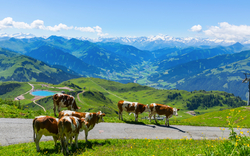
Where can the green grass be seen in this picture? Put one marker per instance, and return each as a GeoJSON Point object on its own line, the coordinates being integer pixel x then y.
{"type": "Point", "coordinates": [7, 111]}
{"type": "Point", "coordinates": [138, 147]}
{"type": "Point", "coordinates": [219, 118]}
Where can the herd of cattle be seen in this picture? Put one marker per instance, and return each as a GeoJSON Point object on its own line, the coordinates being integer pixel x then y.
{"type": "Point", "coordinates": [70, 122]}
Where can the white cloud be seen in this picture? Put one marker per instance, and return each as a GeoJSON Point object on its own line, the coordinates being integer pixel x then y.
{"type": "Point", "coordinates": [196, 28]}
{"type": "Point", "coordinates": [59, 27]}
{"type": "Point", "coordinates": [85, 29]}
{"type": "Point", "coordinates": [39, 24]}
{"type": "Point", "coordinates": [227, 31]}
{"type": "Point", "coordinates": [6, 23]}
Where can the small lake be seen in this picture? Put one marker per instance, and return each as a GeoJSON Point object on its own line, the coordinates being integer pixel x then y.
{"type": "Point", "coordinates": [43, 93]}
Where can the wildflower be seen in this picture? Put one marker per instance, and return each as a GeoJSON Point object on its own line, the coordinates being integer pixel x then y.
{"type": "Point", "coordinates": [131, 147]}
{"type": "Point", "coordinates": [229, 113]}
{"type": "Point", "coordinates": [223, 129]}
{"type": "Point", "coordinates": [247, 131]}
{"type": "Point", "coordinates": [239, 110]}
{"type": "Point", "coordinates": [241, 132]}
{"type": "Point", "coordinates": [236, 144]}
{"type": "Point", "coordinates": [247, 145]}
{"type": "Point", "coordinates": [227, 116]}
{"type": "Point", "coordinates": [145, 138]}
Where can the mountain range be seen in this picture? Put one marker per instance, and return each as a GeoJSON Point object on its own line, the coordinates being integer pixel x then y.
{"type": "Point", "coordinates": [201, 67]}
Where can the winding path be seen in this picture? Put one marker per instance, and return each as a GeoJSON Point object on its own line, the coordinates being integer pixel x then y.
{"type": "Point", "coordinates": [14, 131]}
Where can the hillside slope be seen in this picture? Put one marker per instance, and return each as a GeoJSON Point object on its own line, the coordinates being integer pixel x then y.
{"type": "Point", "coordinates": [22, 68]}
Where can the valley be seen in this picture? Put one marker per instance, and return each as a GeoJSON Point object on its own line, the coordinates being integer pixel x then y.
{"type": "Point", "coordinates": [185, 67]}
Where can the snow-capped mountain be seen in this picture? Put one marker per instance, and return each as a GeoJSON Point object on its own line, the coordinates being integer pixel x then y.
{"type": "Point", "coordinates": [162, 41]}
{"type": "Point", "coordinates": [144, 43]}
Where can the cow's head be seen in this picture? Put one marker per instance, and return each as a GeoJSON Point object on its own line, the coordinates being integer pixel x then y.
{"type": "Point", "coordinates": [175, 111]}
{"type": "Point", "coordinates": [100, 116]}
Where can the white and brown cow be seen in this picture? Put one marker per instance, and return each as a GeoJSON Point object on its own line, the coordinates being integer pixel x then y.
{"type": "Point", "coordinates": [131, 107]}
{"type": "Point", "coordinates": [161, 109]}
{"type": "Point", "coordinates": [44, 125]}
{"type": "Point", "coordinates": [64, 100]}
{"type": "Point", "coordinates": [68, 127]}
{"type": "Point", "coordinates": [91, 118]}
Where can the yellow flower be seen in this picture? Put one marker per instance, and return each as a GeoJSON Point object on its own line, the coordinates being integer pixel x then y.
{"type": "Point", "coordinates": [223, 129]}
{"type": "Point", "coordinates": [239, 110]}
{"type": "Point", "coordinates": [247, 131]}
{"type": "Point", "coordinates": [227, 116]}
{"type": "Point", "coordinates": [247, 145]}
{"type": "Point", "coordinates": [145, 138]}
{"type": "Point", "coordinates": [241, 132]}
{"type": "Point", "coordinates": [131, 147]}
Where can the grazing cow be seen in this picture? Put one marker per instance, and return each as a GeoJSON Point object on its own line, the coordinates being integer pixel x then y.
{"type": "Point", "coordinates": [44, 125]}
{"type": "Point", "coordinates": [131, 107]}
{"type": "Point", "coordinates": [68, 127]}
{"type": "Point", "coordinates": [64, 100]}
{"type": "Point", "coordinates": [91, 118]}
{"type": "Point", "coordinates": [162, 110]}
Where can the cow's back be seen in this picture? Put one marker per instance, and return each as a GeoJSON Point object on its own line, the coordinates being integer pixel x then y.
{"type": "Point", "coordinates": [46, 125]}
{"type": "Point", "coordinates": [72, 113]}
{"type": "Point", "coordinates": [161, 109]}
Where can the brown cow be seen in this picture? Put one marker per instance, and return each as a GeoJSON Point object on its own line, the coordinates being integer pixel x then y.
{"type": "Point", "coordinates": [64, 100]}
{"type": "Point", "coordinates": [68, 127]}
{"type": "Point", "coordinates": [162, 110]}
{"type": "Point", "coordinates": [131, 107]}
{"type": "Point", "coordinates": [91, 118]}
{"type": "Point", "coordinates": [44, 125]}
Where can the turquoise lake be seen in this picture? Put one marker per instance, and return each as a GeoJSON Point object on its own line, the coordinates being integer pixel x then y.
{"type": "Point", "coordinates": [43, 93]}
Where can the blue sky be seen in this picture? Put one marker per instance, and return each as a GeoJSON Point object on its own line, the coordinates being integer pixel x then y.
{"type": "Point", "coordinates": [218, 19]}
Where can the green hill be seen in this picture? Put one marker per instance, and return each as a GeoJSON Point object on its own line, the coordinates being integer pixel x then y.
{"type": "Point", "coordinates": [16, 67]}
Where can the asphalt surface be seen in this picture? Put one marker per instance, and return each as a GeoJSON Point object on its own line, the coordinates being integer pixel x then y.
{"type": "Point", "coordinates": [14, 131]}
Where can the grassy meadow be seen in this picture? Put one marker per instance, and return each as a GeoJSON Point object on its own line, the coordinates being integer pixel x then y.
{"type": "Point", "coordinates": [93, 94]}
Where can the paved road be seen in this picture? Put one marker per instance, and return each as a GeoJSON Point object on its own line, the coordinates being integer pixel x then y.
{"type": "Point", "coordinates": [14, 131]}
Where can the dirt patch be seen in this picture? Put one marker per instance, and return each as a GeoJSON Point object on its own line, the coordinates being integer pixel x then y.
{"type": "Point", "coordinates": [191, 113]}
{"type": "Point", "coordinates": [37, 98]}
{"type": "Point", "coordinates": [65, 88]}
{"type": "Point", "coordinates": [21, 97]}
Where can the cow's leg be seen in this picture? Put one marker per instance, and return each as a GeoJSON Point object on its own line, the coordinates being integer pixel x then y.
{"type": "Point", "coordinates": [149, 116]}
{"type": "Point", "coordinates": [37, 139]}
{"type": "Point", "coordinates": [59, 109]}
{"type": "Point", "coordinates": [63, 144]}
{"type": "Point", "coordinates": [70, 139]}
{"type": "Point", "coordinates": [136, 117]}
{"type": "Point", "coordinates": [86, 135]}
{"type": "Point", "coordinates": [76, 140]}
{"type": "Point", "coordinates": [120, 115]}
{"type": "Point", "coordinates": [55, 139]}
{"type": "Point", "coordinates": [167, 120]}
{"type": "Point", "coordinates": [54, 108]}
{"type": "Point", "coordinates": [66, 143]}
{"type": "Point", "coordinates": [155, 119]}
